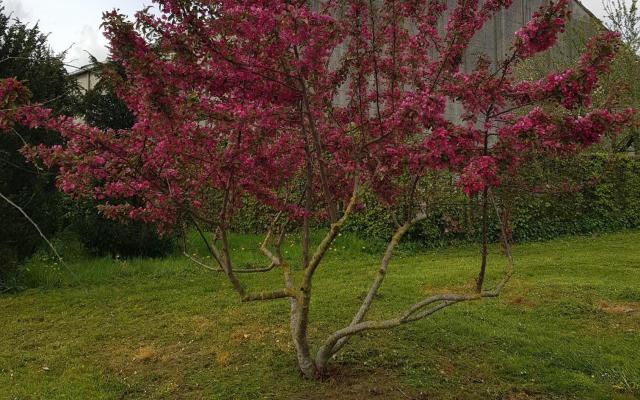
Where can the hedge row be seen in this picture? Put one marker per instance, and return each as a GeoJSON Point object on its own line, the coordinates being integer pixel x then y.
{"type": "Point", "coordinates": [604, 196]}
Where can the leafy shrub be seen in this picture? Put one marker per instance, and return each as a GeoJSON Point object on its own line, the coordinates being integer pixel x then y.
{"type": "Point", "coordinates": [608, 200]}
{"type": "Point", "coordinates": [101, 236]}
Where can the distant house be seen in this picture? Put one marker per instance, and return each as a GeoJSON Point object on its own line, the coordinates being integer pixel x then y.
{"type": "Point", "coordinates": [87, 77]}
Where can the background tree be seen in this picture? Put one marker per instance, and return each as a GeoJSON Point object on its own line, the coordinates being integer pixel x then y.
{"type": "Point", "coordinates": [25, 55]}
{"type": "Point", "coordinates": [624, 18]}
{"type": "Point", "coordinates": [261, 98]}
{"type": "Point", "coordinates": [101, 107]}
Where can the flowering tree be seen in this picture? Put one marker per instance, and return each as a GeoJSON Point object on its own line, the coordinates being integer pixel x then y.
{"type": "Point", "coordinates": [303, 108]}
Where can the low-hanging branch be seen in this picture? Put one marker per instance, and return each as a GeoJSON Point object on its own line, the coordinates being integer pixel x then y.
{"type": "Point", "coordinates": [236, 270]}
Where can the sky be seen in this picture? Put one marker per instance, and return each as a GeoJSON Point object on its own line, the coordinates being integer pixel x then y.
{"type": "Point", "coordinates": [72, 24]}
{"type": "Point", "coordinates": [75, 24]}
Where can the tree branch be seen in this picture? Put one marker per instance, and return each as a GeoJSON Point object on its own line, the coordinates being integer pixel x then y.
{"type": "Point", "coordinates": [382, 272]}
{"type": "Point", "coordinates": [270, 295]}
{"type": "Point", "coordinates": [417, 311]}
{"type": "Point", "coordinates": [237, 271]}
{"type": "Point", "coordinates": [330, 236]}
{"type": "Point", "coordinates": [32, 222]}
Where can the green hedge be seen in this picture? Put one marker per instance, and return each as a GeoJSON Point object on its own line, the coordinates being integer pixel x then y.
{"type": "Point", "coordinates": [606, 197]}
{"type": "Point", "coordinates": [611, 202]}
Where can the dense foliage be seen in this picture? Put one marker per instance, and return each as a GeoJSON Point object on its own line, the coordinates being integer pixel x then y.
{"type": "Point", "coordinates": [25, 55]}
{"type": "Point", "coordinates": [101, 107]}
{"type": "Point", "coordinates": [101, 236]}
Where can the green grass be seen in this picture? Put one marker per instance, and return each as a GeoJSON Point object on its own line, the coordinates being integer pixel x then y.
{"type": "Point", "coordinates": [566, 327]}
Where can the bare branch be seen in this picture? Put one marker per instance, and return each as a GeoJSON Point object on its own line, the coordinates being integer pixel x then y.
{"type": "Point", "coordinates": [200, 263]}
{"type": "Point", "coordinates": [485, 239]}
{"type": "Point", "coordinates": [411, 315]}
{"type": "Point", "coordinates": [237, 270]}
{"type": "Point", "coordinates": [270, 295]}
{"type": "Point", "coordinates": [275, 259]}
{"type": "Point", "coordinates": [42, 235]}
{"type": "Point", "coordinates": [317, 143]}
{"type": "Point", "coordinates": [210, 246]}
{"type": "Point", "coordinates": [331, 235]}
{"type": "Point", "coordinates": [382, 272]}
{"type": "Point", "coordinates": [32, 222]}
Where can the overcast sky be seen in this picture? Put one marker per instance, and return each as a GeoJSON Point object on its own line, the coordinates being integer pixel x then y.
{"type": "Point", "coordinates": [75, 24]}
{"type": "Point", "coordinates": [72, 24]}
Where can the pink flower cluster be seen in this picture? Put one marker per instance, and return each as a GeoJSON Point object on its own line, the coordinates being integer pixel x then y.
{"type": "Point", "coordinates": [572, 87]}
{"type": "Point", "coordinates": [478, 174]}
{"type": "Point", "coordinates": [542, 31]}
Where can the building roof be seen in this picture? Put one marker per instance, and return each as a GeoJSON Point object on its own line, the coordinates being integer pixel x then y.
{"type": "Point", "coordinates": [85, 69]}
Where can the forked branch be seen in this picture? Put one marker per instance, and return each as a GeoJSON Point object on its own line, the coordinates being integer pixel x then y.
{"type": "Point", "coordinates": [418, 311]}
{"type": "Point", "coordinates": [382, 273]}
{"type": "Point", "coordinates": [225, 266]}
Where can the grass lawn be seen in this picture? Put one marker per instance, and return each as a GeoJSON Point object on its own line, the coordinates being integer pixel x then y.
{"type": "Point", "coordinates": [566, 327]}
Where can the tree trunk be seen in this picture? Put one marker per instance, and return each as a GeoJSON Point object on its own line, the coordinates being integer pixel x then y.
{"type": "Point", "coordinates": [485, 240]}
{"type": "Point", "coordinates": [308, 205]}
{"type": "Point", "coordinates": [299, 323]}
